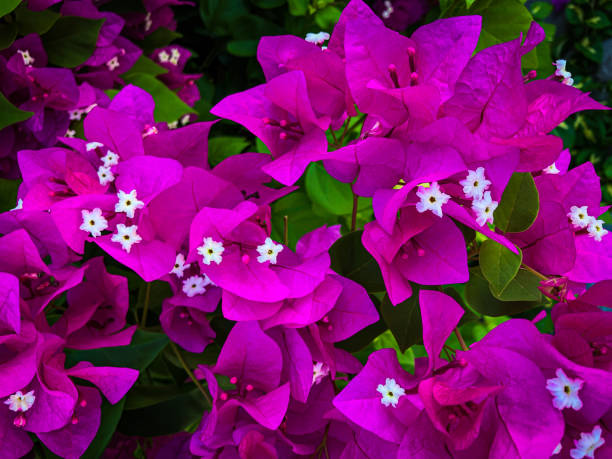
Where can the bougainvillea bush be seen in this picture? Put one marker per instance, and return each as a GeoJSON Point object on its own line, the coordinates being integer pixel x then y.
{"type": "Point", "coordinates": [449, 299]}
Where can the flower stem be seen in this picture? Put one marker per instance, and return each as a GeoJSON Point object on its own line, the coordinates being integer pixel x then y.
{"type": "Point", "coordinates": [145, 311]}
{"type": "Point", "coordinates": [354, 215]}
{"type": "Point", "coordinates": [533, 271]}
{"type": "Point", "coordinates": [190, 373]}
{"type": "Point", "coordinates": [464, 346]}
{"type": "Point", "coordinates": [286, 229]}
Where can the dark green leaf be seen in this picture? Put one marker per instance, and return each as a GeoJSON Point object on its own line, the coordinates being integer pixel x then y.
{"type": "Point", "coordinates": [219, 16]}
{"type": "Point", "coordinates": [38, 22]}
{"type": "Point", "coordinates": [350, 259]}
{"type": "Point", "coordinates": [110, 416]}
{"type": "Point", "coordinates": [139, 354]}
{"type": "Point", "coordinates": [327, 17]}
{"type": "Point", "coordinates": [8, 33]}
{"type": "Point", "coordinates": [220, 148]}
{"type": "Point", "coordinates": [143, 395]}
{"type": "Point", "coordinates": [298, 7]}
{"type": "Point", "coordinates": [519, 204]}
{"type": "Point", "coordinates": [598, 21]}
{"type": "Point", "coordinates": [404, 320]}
{"type": "Point", "coordinates": [145, 65]}
{"type": "Point", "coordinates": [168, 106]}
{"type": "Point", "coordinates": [71, 40]}
{"type": "Point", "coordinates": [242, 48]}
{"type": "Point", "coordinates": [6, 6]}
{"type": "Point", "coordinates": [498, 264]}
{"type": "Point", "coordinates": [159, 38]}
{"type": "Point", "coordinates": [268, 4]}
{"type": "Point", "coordinates": [541, 10]}
{"type": "Point", "coordinates": [168, 417]}
{"type": "Point", "coordinates": [8, 194]}
{"type": "Point", "coordinates": [9, 114]}
{"type": "Point", "coordinates": [480, 298]}
{"type": "Point", "coordinates": [330, 194]}
{"type": "Point", "coordinates": [524, 287]}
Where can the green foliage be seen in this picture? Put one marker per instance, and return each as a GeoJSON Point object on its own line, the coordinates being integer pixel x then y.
{"type": "Point", "coordinates": [519, 204]}
{"type": "Point", "coordinates": [9, 114]}
{"type": "Point", "coordinates": [39, 22]}
{"type": "Point", "coordinates": [71, 40]}
{"type": "Point", "coordinates": [109, 418]}
{"type": "Point", "coordinates": [6, 6]}
{"type": "Point", "coordinates": [404, 320]}
{"type": "Point", "coordinates": [499, 265]}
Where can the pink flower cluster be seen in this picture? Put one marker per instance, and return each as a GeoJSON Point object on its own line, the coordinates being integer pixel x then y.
{"type": "Point", "coordinates": [442, 133]}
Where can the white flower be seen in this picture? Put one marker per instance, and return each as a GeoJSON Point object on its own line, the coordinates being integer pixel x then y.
{"type": "Point", "coordinates": [105, 175]}
{"type": "Point", "coordinates": [194, 285]}
{"type": "Point", "coordinates": [25, 55]}
{"type": "Point", "coordinates": [431, 199]}
{"type": "Point", "coordinates": [388, 11]}
{"type": "Point", "coordinates": [126, 236]}
{"type": "Point", "coordinates": [391, 392]}
{"type": "Point", "coordinates": [317, 38]}
{"type": "Point", "coordinates": [319, 371]}
{"type": "Point", "coordinates": [93, 222]}
{"type": "Point", "coordinates": [588, 443]}
{"type": "Point", "coordinates": [20, 402]}
{"type": "Point", "coordinates": [596, 229]}
{"type": "Point", "coordinates": [113, 63]}
{"type": "Point", "coordinates": [207, 280]}
{"type": "Point", "coordinates": [175, 55]}
{"type": "Point", "coordinates": [185, 119]}
{"type": "Point", "coordinates": [93, 145]}
{"type": "Point", "coordinates": [211, 251]}
{"type": "Point", "coordinates": [19, 205]}
{"type": "Point", "coordinates": [70, 133]}
{"type": "Point", "coordinates": [563, 74]}
{"type": "Point", "coordinates": [173, 124]}
{"type": "Point", "coordinates": [75, 115]}
{"type": "Point", "coordinates": [110, 159]}
{"type": "Point", "coordinates": [268, 251]}
{"type": "Point", "coordinates": [179, 265]}
{"type": "Point", "coordinates": [565, 391]}
{"type": "Point", "coordinates": [475, 184]}
{"type": "Point", "coordinates": [128, 203]}
{"type": "Point", "coordinates": [557, 449]}
{"type": "Point", "coordinates": [148, 22]}
{"type": "Point", "coordinates": [552, 169]}
{"type": "Point", "coordinates": [579, 216]}
{"type": "Point", "coordinates": [484, 208]}
{"type": "Point", "coordinates": [163, 56]}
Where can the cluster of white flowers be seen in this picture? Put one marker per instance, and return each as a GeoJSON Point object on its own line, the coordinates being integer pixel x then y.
{"type": "Point", "coordinates": [581, 219]}
{"type": "Point", "coordinates": [561, 73]}
{"type": "Point", "coordinates": [475, 187]}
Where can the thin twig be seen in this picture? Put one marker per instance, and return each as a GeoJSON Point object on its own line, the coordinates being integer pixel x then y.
{"type": "Point", "coordinates": [533, 271]}
{"type": "Point", "coordinates": [460, 338]}
{"type": "Point", "coordinates": [190, 373]}
{"type": "Point", "coordinates": [354, 215]}
{"type": "Point", "coordinates": [145, 311]}
{"type": "Point", "coordinates": [286, 229]}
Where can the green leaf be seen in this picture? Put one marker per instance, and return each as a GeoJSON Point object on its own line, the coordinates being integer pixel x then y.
{"type": "Point", "coordinates": [143, 395]}
{"type": "Point", "coordinates": [298, 7]}
{"type": "Point", "coordinates": [168, 106]}
{"type": "Point", "coordinates": [109, 419]}
{"type": "Point", "coordinates": [479, 297]}
{"type": "Point", "coordinates": [168, 417]}
{"type": "Point", "coordinates": [404, 320]}
{"type": "Point", "coordinates": [302, 219]}
{"type": "Point", "coordinates": [327, 17]}
{"type": "Point", "coordinates": [541, 10]}
{"type": "Point", "coordinates": [498, 264]}
{"type": "Point", "coordinates": [519, 204]}
{"type": "Point", "coordinates": [8, 33]}
{"type": "Point", "coordinates": [268, 4]}
{"type": "Point", "coordinates": [220, 148]}
{"type": "Point", "coordinates": [242, 48]}
{"type": "Point", "coordinates": [6, 6]}
{"type": "Point", "coordinates": [38, 22]}
{"type": "Point", "coordinates": [159, 38]}
{"type": "Point", "coordinates": [386, 340]}
{"type": "Point", "coordinates": [9, 114]}
{"type": "Point", "coordinates": [71, 40]}
{"type": "Point", "coordinates": [145, 65]}
{"type": "Point", "coordinates": [139, 354]}
{"type": "Point", "coordinates": [330, 194]}
{"type": "Point", "coordinates": [219, 16]}
{"type": "Point", "coordinates": [350, 259]}
{"type": "Point", "coordinates": [524, 287]}
{"type": "Point", "coordinates": [8, 194]}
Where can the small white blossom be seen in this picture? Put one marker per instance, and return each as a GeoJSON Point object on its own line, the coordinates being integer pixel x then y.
{"type": "Point", "coordinates": [113, 63]}
{"type": "Point", "coordinates": [194, 285]}
{"type": "Point", "coordinates": [25, 55]}
{"type": "Point", "coordinates": [475, 184]}
{"type": "Point", "coordinates": [93, 222]}
{"type": "Point", "coordinates": [484, 208]}
{"type": "Point", "coordinates": [317, 38]}
{"type": "Point", "coordinates": [75, 115]}
{"type": "Point", "coordinates": [173, 124]}
{"type": "Point", "coordinates": [319, 371]}
{"type": "Point", "coordinates": [391, 392]}
{"type": "Point", "coordinates": [211, 251]}
{"type": "Point", "coordinates": [561, 73]}
{"type": "Point", "coordinates": [105, 175]}
{"type": "Point", "coordinates": [185, 119]}
{"type": "Point", "coordinates": [19, 205]}
{"type": "Point", "coordinates": [588, 443]}
{"type": "Point", "coordinates": [557, 449]}
{"type": "Point", "coordinates": [552, 169]}
{"type": "Point", "coordinates": [431, 199]}
{"type": "Point", "coordinates": [565, 391]}
{"type": "Point", "coordinates": [388, 11]}
{"type": "Point", "coordinates": [93, 145]}
{"type": "Point", "coordinates": [128, 203]}
{"type": "Point", "coordinates": [163, 56]}
{"type": "Point", "coordinates": [596, 229]}
{"type": "Point", "coordinates": [70, 133]}
{"type": "Point", "coordinates": [175, 55]}
{"type": "Point", "coordinates": [268, 251]}
{"type": "Point", "coordinates": [179, 265]}
{"type": "Point", "coordinates": [20, 402]}
{"type": "Point", "coordinates": [148, 22]}
{"type": "Point", "coordinates": [110, 159]}
{"type": "Point", "coordinates": [126, 236]}
{"type": "Point", "coordinates": [579, 216]}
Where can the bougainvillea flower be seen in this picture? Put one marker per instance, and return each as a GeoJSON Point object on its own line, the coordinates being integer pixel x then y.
{"type": "Point", "coordinates": [281, 115]}
{"type": "Point", "coordinates": [187, 145]}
